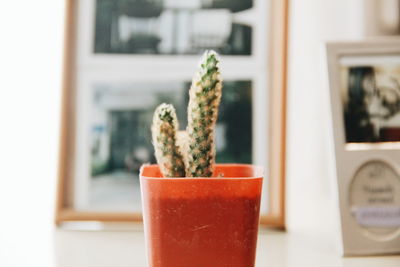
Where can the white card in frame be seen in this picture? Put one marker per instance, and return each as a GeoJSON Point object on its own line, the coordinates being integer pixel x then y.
{"type": "Point", "coordinates": [364, 80]}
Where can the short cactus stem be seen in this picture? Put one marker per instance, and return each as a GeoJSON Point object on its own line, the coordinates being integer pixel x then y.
{"type": "Point", "coordinates": [164, 128]}
{"type": "Point", "coordinates": [205, 95]}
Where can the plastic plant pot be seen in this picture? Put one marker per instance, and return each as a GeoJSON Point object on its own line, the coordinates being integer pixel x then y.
{"type": "Point", "coordinates": [202, 222]}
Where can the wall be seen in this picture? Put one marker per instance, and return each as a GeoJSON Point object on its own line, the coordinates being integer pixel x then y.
{"type": "Point", "coordinates": [30, 75]}
{"type": "Point", "coordinates": [310, 159]}
{"type": "Point", "coordinates": [310, 155]}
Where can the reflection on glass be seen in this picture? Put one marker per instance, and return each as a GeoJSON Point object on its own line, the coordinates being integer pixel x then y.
{"type": "Point", "coordinates": [121, 140]}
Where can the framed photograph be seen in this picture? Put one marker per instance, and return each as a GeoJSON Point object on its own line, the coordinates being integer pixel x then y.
{"type": "Point", "coordinates": [365, 99]}
{"type": "Point", "coordinates": [125, 57]}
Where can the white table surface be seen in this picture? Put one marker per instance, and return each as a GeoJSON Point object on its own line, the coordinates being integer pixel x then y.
{"type": "Point", "coordinates": [66, 248]}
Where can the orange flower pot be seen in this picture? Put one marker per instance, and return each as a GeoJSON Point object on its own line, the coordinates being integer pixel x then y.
{"type": "Point", "coordinates": [202, 222]}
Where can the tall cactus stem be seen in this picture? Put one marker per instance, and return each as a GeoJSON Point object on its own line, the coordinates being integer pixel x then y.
{"type": "Point", "coordinates": [205, 96]}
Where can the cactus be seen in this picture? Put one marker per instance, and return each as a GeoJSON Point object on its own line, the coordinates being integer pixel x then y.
{"type": "Point", "coordinates": [164, 128]}
{"type": "Point", "coordinates": [182, 143]}
{"type": "Point", "coordinates": [191, 152]}
{"type": "Point", "coordinates": [205, 95]}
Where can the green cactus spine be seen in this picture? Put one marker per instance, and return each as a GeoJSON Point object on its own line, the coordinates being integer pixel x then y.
{"type": "Point", "coordinates": [205, 96]}
{"type": "Point", "coordinates": [164, 128]}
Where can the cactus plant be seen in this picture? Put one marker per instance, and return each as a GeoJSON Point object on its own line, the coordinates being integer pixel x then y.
{"type": "Point", "coordinates": [164, 128]}
{"type": "Point", "coordinates": [193, 149]}
{"type": "Point", "coordinates": [205, 95]}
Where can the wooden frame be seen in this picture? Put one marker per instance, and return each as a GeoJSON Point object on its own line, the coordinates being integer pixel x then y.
{"type": "Point", "coordinates": [276, 175]}
{"type": "Point", "coordinates": [278, 59]}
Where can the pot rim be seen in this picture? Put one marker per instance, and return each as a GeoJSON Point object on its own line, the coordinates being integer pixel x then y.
{"type": "Point", "coordinates": [258, 172]}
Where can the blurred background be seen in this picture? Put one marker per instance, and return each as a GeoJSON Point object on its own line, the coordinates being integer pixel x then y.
{"type": "Point", "coordinates": [31, 42]}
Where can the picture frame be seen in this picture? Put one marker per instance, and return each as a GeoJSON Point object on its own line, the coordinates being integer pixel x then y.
{"type": "Point", "coordinates": [363, 79]}
{"type": "Point", "coordinates": [90, 75]}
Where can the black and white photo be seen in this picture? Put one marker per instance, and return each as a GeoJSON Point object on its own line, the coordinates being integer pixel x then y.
{"type": "Point", "coordinates": [173, 27]}
{"type": "Point", "coordinates": [371, 95]}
